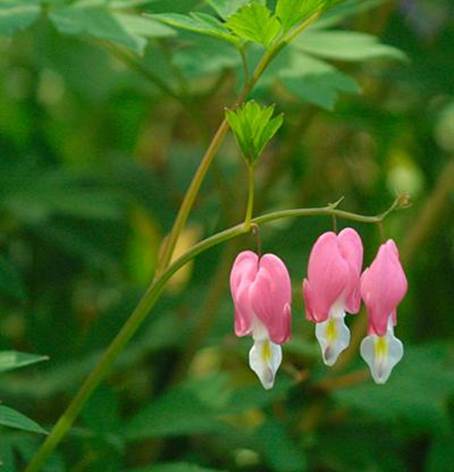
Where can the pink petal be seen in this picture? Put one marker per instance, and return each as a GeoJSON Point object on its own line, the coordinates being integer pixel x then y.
{"type": "Point", "coordinates": [351, 248]}
{"type": "Point", "coordinates": [271, 297]}
{"type": "Point", "coordinates": [328, 277]}
{"type": "Point", "coordinates": [242, 275]}
{"type": "Point", "coordinates": [383, 286]}
{"type": "Point", "coordinates": [307, 295]}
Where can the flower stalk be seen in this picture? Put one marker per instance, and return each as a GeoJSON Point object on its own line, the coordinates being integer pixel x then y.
{"type": "Point", "coordinates": [148, 300]}
{"type": "Point", "coordinates": [250, 200]}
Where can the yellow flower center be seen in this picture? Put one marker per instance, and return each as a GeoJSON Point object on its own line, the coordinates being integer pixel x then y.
{"type": "Point", "coordinates": [266, 351]}
{"type": "Point", "coordinates": [331, 330]}
{"type": "Point", "coordinates": [381, 347]}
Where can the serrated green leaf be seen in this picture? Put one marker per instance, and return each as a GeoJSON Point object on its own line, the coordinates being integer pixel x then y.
{"type": "Point", "coordinates": [95, 21]}
{"type": "Point", "coordinates": [225, 8]}
{"type": "Point", "coordinates": [254, 22]}
{"type": "Point", "coordinates": [346, 46]}
{"type": "Point", "coordinates": [13, 419]}
{"type": "Point", "coordinates": [201, 23]}
{"type": "Point", "coordinates": [253, 127]}
{"type": "Point", "coordinates": [10, 360]}
{"type": "Point", "coordinates": [316, 81]}
{"type": "Point", "coordinates": [292, 12]}
{"type": "Point", "coordinates": [17, 15]}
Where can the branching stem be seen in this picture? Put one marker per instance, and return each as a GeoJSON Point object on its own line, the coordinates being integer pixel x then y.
{"type": "Point", "coordinates": [147, 302]}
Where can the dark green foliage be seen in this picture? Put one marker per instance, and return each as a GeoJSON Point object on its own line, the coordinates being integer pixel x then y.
{"type": "Point", "coordinates": [106, 108]}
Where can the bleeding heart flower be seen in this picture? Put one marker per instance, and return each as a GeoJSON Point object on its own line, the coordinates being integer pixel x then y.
{"type": "Point", "coordinates": [332, 288]}
{"type": "Point", "coordinates": [262, 294]}
{"type": "Point", "coordinates": [383, 286]}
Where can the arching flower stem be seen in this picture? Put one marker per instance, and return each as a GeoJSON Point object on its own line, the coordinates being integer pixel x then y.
{"type": "Point", "coordinates": [149, 299]}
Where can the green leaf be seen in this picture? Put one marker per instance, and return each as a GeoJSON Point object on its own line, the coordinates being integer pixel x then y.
{"type": "Point", "coordinates": [346, 46]}
{"type": "Point", "coordinates": [97, 22]}
{"type": "Point", "coordinates": [225, 8]}
{"type": "Point", "coordinates": [176, 413]}
{"type": "Point", "coordinates": [254, 22]}
{"type": "Point", "coordinates": [14, 419]}
{"type": "Point", "coordinates": [17, 15]}
{"type": "Point", "coordinates": [316, 81]}
{"type": "Point", "coordinates": [417, 392]}
{"type": "Point", "coordinates": [343, 10]}
{"type": "Point", "coordinates": [34, 200]}
{"type": "Point", "coordinates": [200, 23]}
{"type": "Point", "coordinates": [143, 26]}
{"type": "Point", "coordinates": [11, 283]}
{"type": "Point", "coordinates": [10, 360]}
{"type": "Point", "coordinates": [253, 126]}
{"type": "Point", "coordinates": [206, 56]}
{"type": "Point", "coordinates": [292, 12]}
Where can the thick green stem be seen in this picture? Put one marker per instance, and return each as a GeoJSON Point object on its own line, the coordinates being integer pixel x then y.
{"type": "Point", "coordinates": [250, 199]}
{"type": "Point", "coordinates": [146, 303]}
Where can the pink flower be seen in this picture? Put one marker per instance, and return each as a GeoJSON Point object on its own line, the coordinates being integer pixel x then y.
{"type": "Point", "coordinates": [383, 286]}
{"type": "Point", "coordinates": [332, 288]}
{"type": "Point", "coordinates": [262, 294]}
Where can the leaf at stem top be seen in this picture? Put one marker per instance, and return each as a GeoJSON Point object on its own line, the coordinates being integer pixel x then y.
{"type": "Point", "coordinates": [253, 126]}
{"type": "Point", "coordinates": [255, 22]}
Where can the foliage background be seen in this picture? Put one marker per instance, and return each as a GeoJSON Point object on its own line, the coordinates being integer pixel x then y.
{"type": "Point", "coordinates": [94, 161]}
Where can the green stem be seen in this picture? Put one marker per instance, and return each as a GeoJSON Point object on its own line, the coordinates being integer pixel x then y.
{"type": "Point", "coordinates": [250, 200]}
{"type": "Point", "coordinates": [146, 303]}
{"type": "Point", "coordinates": [245, 66]}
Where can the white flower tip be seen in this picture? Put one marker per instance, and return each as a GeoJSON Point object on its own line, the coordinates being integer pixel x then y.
{"type": "Point", "coordinates": [329, 356]}
{"type": "Point", "coordinates": [381, 354]}
{"type": "Point", "coordinates": [333, 337]}
{"type": "Point", "coordinates": [265, 358]}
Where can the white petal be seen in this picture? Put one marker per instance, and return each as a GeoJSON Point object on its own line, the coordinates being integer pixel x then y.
{"type": "Point", "coordinates": [382, 353]}
{"type": "Point", "coordinates": [333, 336]}
{"type": "Point", "coordinates": [265, 357]}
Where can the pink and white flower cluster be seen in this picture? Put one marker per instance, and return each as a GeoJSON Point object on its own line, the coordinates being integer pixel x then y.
{"type": "Point", "coordinates": [334, 286]}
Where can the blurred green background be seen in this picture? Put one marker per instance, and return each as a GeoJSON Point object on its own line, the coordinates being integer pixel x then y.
{"type": "Point", "coordinates": [97, 147]}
